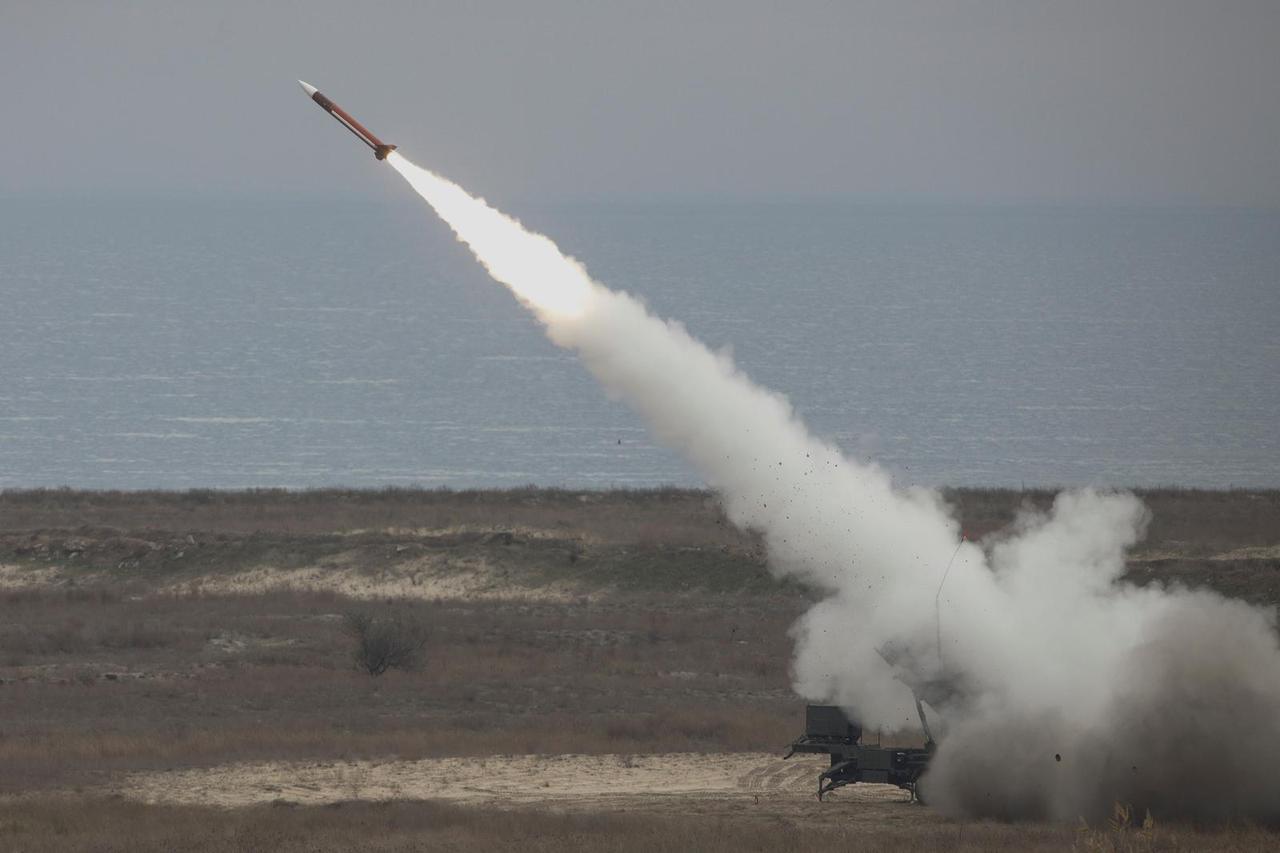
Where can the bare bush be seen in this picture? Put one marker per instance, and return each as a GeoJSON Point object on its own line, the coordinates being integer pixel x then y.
{"type": "Point", "coordinates": [389, 641]}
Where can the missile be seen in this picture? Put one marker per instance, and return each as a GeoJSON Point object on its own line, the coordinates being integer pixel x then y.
{"type": "Point", "coordinates": [380, 149]}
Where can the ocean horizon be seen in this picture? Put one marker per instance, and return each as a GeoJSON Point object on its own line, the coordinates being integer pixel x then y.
{"type": "Point", "coordinates": [240, 343]}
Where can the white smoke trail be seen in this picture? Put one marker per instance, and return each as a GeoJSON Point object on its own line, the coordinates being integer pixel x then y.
{"type": "Point", "coordinates": [1038, 630]}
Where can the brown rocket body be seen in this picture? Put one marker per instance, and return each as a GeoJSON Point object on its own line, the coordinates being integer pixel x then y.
{"type": "Point", "coordinates": [380, 149]}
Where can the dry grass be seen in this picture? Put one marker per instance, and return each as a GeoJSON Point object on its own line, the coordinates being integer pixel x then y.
{"type": "Point", "coordinates": [671, 517]}
{"type": "Point", "coordinates": [682, 646]}
{"type": "Point", "coordinates": [91, 682]}
{"type": "Point", "coordinates": [590, 542]}
{"type": "Point", "coordinates": [36, 826]}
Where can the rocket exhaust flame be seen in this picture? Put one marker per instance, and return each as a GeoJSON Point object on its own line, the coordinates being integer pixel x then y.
{"type": "Point", "coordinates": [551, 284]}
{"type": "Point", "coordinates": [1168, 699]}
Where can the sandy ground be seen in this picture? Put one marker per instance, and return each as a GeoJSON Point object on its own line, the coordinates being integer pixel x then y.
{"type": "Point", "coordinates": [430, 577]}
{"type": "Point", "coordinates": [23, 577]}
{"type": "Point", "coordinates": [426, 579]}
{"type": "Point", "coordinates": [422, 579]}
{"type": "Point", "coordinates": [687, 783]}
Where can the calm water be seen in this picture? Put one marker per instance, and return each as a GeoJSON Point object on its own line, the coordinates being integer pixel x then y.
{"type": "Point", "coordinates": [186, 345]}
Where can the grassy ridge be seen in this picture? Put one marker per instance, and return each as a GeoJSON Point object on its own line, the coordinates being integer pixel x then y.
{"type": "Point", "coordinates": [666, 540]}
{"type": "Point", "coordinates": [1189, 517]}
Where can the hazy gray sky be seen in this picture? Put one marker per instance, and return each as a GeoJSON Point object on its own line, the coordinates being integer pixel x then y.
{"type": "Point", "coordinates": [984, 100]}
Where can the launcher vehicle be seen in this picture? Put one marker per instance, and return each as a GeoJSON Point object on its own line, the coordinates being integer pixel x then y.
{"type": "Point", "coordinates": [828, 730]}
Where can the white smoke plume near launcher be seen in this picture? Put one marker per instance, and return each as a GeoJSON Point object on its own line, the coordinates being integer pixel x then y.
{"type": "Point", "coordinates": [1069, 688]}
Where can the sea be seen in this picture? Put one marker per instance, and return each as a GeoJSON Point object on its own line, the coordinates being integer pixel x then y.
{"type": "Point", "coordinates": [169, 343]}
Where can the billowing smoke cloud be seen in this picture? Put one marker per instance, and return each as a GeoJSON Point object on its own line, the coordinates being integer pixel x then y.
{"type": "Point", "coordinates": [1063, 689]}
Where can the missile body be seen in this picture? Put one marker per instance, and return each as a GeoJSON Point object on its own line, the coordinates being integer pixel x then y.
{"type": "Point", "coordinates": [380, 149]}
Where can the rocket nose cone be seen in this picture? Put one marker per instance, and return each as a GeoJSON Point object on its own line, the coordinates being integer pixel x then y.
{"type": "Point", "coordinates": [307, 87]}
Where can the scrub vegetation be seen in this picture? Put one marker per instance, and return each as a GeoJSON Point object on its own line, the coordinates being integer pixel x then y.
{"type": "Point", "coordinates": [153, 631]}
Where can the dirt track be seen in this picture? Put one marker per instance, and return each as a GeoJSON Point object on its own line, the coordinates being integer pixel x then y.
{"type": "Point", "coordinates": [673, 783]}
